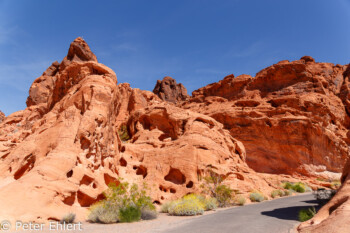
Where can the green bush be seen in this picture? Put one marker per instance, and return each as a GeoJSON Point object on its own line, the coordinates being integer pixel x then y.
{"type": "Point", "coordinates": [69, 218]}
{"type": "Point", "coordinates": [122, 203]}
{"type": "Point", "coordinates": [297, 187]}
{"type": "Point", "coordinates": [213, 187]}
{"type": "Point", "coordinates": [239, 200]}
{"type": "Point", "coordinates": [300, 188]}
{"type": "Point", "coordinates": [287, 185]}
{"type": "Point", "coordinates": [123, 133]}
{"type": "Point", "coordinates": [129, 214]}
{"type": "Point", "coordinates": [277, 192]}
{"type": "Point", "coordinates": [306, 214]}
{"type": "Point", "coordinates": [256, 197]}
{"type": "Point", "coordinates": [186, 207]}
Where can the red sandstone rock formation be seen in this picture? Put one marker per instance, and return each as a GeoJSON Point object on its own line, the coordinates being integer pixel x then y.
{"type": "Point", "coordinates": [60, 153]}
{"type": "Point", "coordinates": [170, 91]}
{"type": "Point", "coordinates": [2, 116]}
{"type": "Point", "coordinates": [334, 217]}
{"type": "Point", "coordinates": [291, 117]}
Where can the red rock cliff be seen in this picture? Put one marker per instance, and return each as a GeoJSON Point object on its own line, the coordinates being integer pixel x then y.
{"type": "Point", "coordinates": [292, 117]}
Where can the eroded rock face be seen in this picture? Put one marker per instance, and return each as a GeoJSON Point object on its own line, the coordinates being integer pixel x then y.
{"type": "Point", "coordinates": [291, 117]}
{"type": "Point", "coordinates": [335, 215]}
{"type": "Point", "coordinates": [59, 154]}
{"type": "Point", "coordinates": [170, 91]}
{"type": "Point", "coordinates": [2, 116]}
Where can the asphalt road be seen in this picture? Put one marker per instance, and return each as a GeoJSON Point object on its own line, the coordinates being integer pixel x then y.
{"type": "Point", "coordinates": [276, 216]}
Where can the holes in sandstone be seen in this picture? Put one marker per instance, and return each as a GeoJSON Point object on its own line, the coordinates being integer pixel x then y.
{"type": "Point", "coordinates": [29, 164]}
{"type": "Point", "coordinates": [189, 184]}
{"type": "Point", "coordinates": [70, 199]}
{"type": "Point", "coordinates": [239, 176]}
{"type": "Point", "coordinates": [85, 200]}
{"type": "Point", "coordinates": [156, 202]}
{"type": "Point", "coordinates": [172, 190]}
{"type": "Point", "coordinates": [141, 170]}
{"type": "Point", "coordinates": [86, 180]}
{"type": "Point", "coordinates": [163, 189]}
{"type": "Point", "coordinates": [70, 173]}
{"type": "Point", "coordinates": [162, 198]}
{"type": "Point", "coordinates": [110, 179]}
{"type": "Point", "coordinates": [163, 136]}
{"type": "Point", "coordinates": [84, 143]}
{"type": "Point", "coordinates": [123, 162]}
{"type": "Point", "coordinates": [175, 176]}
{"type": "Point", "coordinates": [122, 149]}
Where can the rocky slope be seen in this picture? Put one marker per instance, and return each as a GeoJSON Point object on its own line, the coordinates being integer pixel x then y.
{"type": "Point", "coordinates": [292, 118]}
{"type": "Point", "coordinates": [170, 91]}
{"type": "Point", "coordinates": [81, 131]}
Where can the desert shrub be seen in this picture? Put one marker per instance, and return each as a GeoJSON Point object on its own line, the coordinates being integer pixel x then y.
{"type": "Point", "coordinates": [123, 133]}
{"type": "Point", "coordinates": [122, 202]}
{"type": "Point", "coordinates": [186, 207]}
{"type": "Point", "coordinates": [213, 187]}
{"type": "Point", "coordinates": [165, 207]}
{"type": "Point", "coordinates": [131, 213]}
{"type": "Point", "coordinates": [299, 187]}
{"type": "Point", "coordinates": [256, 197]}
{"type": "Point", "coordinates": [147, 214]}
{"type": "Point", "coordinates": [287, 192]}
{"type": "Point", "coordinates": [277, 192]}
{"type": "Point", "coordinates": [306, 214]}
{"type": "Point", "coordinates": [239, 200]}
{"type": "Point", "coordinates": [69, 218]}
{"type": "Point", "coordinates": [287, 185]}
{"type": "Point", "coordinates": [103, 212]}
{"type": "Point", "coordinates": [210, 203]}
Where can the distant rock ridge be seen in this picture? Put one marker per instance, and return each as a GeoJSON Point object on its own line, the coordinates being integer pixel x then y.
{"type": "Point", "coordinates": [2, 116]}
{"type": "Point", "coordinates": [169, 90]}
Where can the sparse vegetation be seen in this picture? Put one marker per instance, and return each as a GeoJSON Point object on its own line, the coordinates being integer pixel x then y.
{"type": "Point", "coordinates": [213, 186]}
{"type": "Point", "coordinates": [130, 213]}
{"type": "Point", "coordinates": [256, 197]}
{"type": "Point", "coordinates": [147, 214]}
{"type": "Point", "coordinates": [277, 192]}
{"type": "Point", "coordinates": [239, 200]}
{"type": "Point", "coordinates": [122, 203]}
{"type": "Point", "coordinates": [123, 133]}
{"type": "Point", "coordinates": [69, 218]}
{"type": "Point", "coordinates": [165, 207]}
{"type": "Point", "coordinates": [306, 214]}
{"type": "Point", "coordinates": [189, 205]}
{"type": "Point", "coordinates": [297, 187]}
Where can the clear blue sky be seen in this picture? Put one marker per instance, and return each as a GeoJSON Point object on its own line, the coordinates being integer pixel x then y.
{"type": "Point", "coordinates": [197, 42]}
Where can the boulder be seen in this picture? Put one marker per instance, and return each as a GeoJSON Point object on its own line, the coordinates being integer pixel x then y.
{"type": "Point", "coordinates": [170, 91]}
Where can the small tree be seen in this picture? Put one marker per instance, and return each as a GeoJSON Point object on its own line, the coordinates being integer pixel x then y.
{"type": "Point", "coordinates": [213, 186]}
